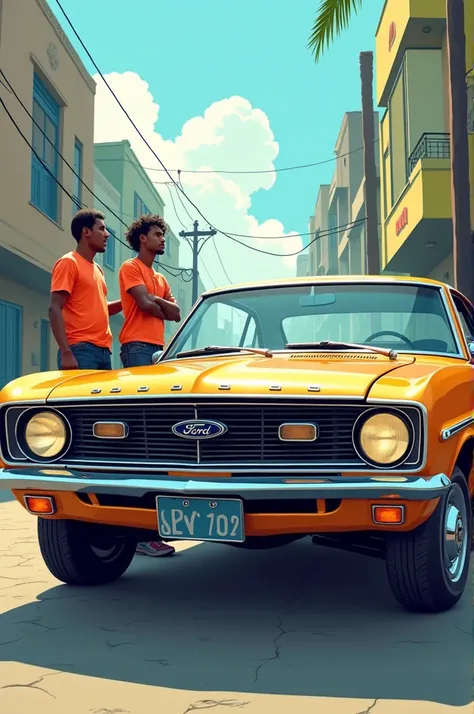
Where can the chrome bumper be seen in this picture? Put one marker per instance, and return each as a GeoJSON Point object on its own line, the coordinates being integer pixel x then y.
{"type": "Point", "coordinates": [411, 488]}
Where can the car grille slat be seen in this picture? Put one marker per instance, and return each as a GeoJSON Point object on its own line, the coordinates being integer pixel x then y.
{"type": "Point", "coordinates": [251, 437]}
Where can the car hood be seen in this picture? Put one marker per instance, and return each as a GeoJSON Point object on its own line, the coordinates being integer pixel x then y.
{"type": "Point", "coordinates": [339, 374]}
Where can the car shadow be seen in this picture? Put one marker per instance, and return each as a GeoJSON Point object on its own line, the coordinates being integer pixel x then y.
{"type": "Point", "coordinates": [298, 620]}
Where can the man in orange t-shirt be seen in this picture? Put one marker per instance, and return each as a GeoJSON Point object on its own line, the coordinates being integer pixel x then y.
{"type": "Point", "coordinates": [79, 311]}
{"type": "Point", "coordinates": [145, 294]}
{"type": "Point", "coordinates": [147, 301]}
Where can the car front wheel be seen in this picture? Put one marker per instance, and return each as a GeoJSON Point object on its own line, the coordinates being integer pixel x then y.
{"type": "Point", "coordinates": [81, 554]}
{"type": "Point", "coordinates": [428, 567]}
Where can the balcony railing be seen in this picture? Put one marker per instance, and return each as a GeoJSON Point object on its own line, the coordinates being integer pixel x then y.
{"type": "Point", "coordinates": [430, 146]}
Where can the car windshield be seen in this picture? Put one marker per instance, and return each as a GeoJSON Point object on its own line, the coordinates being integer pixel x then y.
{"type": "Point", "coordinates": [407, 318]}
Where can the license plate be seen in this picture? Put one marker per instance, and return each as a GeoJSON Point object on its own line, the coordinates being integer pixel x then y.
{"type": "Point", "coordinates": [200, 518]}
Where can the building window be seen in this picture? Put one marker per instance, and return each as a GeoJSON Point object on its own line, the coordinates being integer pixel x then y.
{"type": "Point", "coordinates": [139, 208]}
{"type": "Point", "coordinates": [44, 159]}
{"type": "Point", "coordinates": [77, 177]}
{"type": "Point", "coordinates": [109, 255]}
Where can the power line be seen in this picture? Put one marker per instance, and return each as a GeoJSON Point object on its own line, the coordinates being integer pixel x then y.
{"type": "Point", "coordinates": [185, 228]}
{"type": "Point", "coordinates": [228, 235]}
{"type": "Point", "coordinates": [253, 171]}
{"type": "Point", "coordinates": [220, 260]}
{"type": "Point", "coordinates": [10, 88]}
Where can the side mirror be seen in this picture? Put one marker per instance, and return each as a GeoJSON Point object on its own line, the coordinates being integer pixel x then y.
{"type": "Point", "coordinates": [156, 357]}
{"type": "Point", "coordinates": [470, 344]}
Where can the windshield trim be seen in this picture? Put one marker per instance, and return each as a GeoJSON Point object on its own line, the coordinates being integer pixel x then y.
{"type": "Point", "coordinates": [460, 354]}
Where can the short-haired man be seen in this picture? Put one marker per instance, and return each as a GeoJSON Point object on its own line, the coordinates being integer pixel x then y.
{"type": "Point", "coordinates": [147, 301]}
{"type": "Point", "coordinates": [79, 312]}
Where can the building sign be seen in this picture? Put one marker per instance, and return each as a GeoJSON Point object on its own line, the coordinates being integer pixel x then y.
{"type": "Point", "coordinates": [392, 33]}
{"type": "Point", "coordinates": [402, 221]}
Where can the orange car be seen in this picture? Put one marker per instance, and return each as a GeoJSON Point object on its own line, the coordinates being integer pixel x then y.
{"type": "Point", "coordinates": [336, 407]}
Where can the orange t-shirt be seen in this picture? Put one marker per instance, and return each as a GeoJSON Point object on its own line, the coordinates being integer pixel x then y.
{"type": "Point", "coordinates": [85, 313]}
{"type": "Point", "coordinates": [139, 326]}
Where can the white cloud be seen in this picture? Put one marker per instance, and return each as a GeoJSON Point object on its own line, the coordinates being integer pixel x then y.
{"type": "Point", "coordinates": [230, 135]}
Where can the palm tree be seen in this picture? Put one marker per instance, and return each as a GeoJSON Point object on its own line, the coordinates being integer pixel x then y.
{"type": "Point", "coordinates": [334, 16]}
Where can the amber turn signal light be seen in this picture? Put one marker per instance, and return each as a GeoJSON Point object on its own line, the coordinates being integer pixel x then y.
{"type": "Point", "coordinates": [40, 505]}
{"type": "Point", "coordinates": [388, 515]}
{"type": "Point", "coordinates": [298, 432]}
{"type": "Point", "coordinates": [110, 430]}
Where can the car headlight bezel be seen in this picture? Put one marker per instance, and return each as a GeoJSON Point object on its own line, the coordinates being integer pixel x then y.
{"type": "Point", "coordinates": [362, 421]}
{"type": "Point", "coordinates": [26, 419]}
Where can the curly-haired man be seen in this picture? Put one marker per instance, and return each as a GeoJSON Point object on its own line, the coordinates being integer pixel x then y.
{"type": "Point", "coordinates": [147, 301]}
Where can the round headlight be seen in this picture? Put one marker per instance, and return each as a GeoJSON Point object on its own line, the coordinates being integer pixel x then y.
{"type": "Point", "coordinates": [45, 435]}
{"type": "Point", "coordinates": [384, 439]}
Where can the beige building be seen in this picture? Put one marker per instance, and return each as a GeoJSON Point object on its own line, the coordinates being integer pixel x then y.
{"type": "Point", "coordinates": [337, 225]}
{"type": "Point", "coordinates": [46, 73]}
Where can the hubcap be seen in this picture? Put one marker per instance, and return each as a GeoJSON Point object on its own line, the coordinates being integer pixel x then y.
{"type": "Point", "coordinates": [455, 542]}
{"type": "Point", "coordinates": [107, 551]}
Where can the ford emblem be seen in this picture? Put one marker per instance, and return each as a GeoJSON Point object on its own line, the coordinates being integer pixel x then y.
{"type": "Point", "coordinates": [197, 430]}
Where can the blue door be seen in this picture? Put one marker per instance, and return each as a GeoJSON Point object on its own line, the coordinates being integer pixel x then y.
{"type": "Point", "coordinates": [10, 341]}
{"type": "Point", "coordinates": [45, 346]}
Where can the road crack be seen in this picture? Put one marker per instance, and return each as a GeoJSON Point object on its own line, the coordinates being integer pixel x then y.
{"type": "Point", "coordinates": [212, 703]}
{"type": "Point", "coordinates": [34, 684]}
{"type": "Point", "coordinates": [369, 709]}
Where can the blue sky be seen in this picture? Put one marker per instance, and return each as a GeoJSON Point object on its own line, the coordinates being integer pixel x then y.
{"type": "Point", "coordinates": [196, 52]}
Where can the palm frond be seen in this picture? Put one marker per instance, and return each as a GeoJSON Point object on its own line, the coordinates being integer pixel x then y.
{"type": "Point", "coordinates": [333, 17]}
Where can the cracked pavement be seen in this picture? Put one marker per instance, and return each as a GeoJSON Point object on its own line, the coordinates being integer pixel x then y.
{"type": "Point", "coordinates": [300, 628]}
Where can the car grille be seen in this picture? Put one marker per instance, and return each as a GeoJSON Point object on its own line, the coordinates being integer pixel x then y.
{"type": "Point", "coordinates": [251, 437]}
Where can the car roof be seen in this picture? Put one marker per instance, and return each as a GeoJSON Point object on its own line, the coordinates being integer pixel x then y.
{"type": "Point", "coordinates": [329, 279]}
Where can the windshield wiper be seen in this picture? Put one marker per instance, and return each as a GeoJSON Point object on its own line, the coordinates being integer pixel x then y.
{"type": "Point", "coordinates": [220, 349]}
{"type": "Point", "coordinates": [391, 354]}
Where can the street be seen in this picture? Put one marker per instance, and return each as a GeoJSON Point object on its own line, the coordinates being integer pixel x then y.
{"type": "Point", "coordinates": [300, 629]}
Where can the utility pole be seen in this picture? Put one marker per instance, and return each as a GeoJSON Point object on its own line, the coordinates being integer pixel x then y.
{"type": "Point", "coordinates": [463, 253]}
{"type": "Point", "coordinates": [366, 60]}
{"type": "Point", "coordinates": [197, 245]}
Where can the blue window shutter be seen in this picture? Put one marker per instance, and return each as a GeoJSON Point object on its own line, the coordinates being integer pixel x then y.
{"type": "Point", "coordinates": [44, 188]}
{"type": "Point", "coordinates": [45, 346]}
{"type": "Point", "coordinates": [10, 341]}
{"type": "Point", "coordinates": [109, 255]}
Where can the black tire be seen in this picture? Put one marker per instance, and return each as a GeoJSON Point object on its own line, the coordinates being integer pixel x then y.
{"type": "Point", "coordinates": [74, 554]}
{"type": "Point", "coordinates": [417, 561]}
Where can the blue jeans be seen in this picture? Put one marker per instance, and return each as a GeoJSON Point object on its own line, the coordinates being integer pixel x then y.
{"type": "Point", "coordinates": [138, 354]}
{"type": "Point", "coordinates": [89, 356]}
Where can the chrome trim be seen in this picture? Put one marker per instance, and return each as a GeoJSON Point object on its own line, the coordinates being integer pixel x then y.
{"type": "Point", "coordinates": [62, 454]}
{"type": "Point", "coordinates": [191, 395]}
{"type": "Point", "coordinates": [278, 467]}
{"type": "Point", "coordinates": [224, 387]}
{"type": "Point", "coordinates": [388, 505]}
{"type": "Point", "coordinates": [122, 423]}
{"type": "Point", "coordinates": [315, 427]}
{"type": "Point", "coordinates": [424, 420]}
{"type": "Point", "coordinates": [275, 388]}
{"type": "Point", "coordinates": [313, 388]}
{"type": "Point", "coordinates": [93, 391]}
{"type": "Point", "coordinates": [115, 390]}
{"type": "Point", "coordinates": [176, 387]}
{"type": "Point", "coordinates": [143, 389]}
{"type": "Point", "coordinates": [456, 428]}
{"type": "Point", "coordinates": [416, 489]}
{"type": "Point", "coordinates": [452, 325]}
{"type": "Point", "coordinates": [386, 467]}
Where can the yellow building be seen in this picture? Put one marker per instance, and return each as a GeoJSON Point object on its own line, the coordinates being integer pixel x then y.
{"type": "Point", "coordinates": [412, 85]}
{"type": "Point", "coordinates": [45, 72]}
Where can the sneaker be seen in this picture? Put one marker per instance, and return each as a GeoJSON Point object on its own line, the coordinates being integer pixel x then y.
{"type": "Point", "coordinates": [155, 549]}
